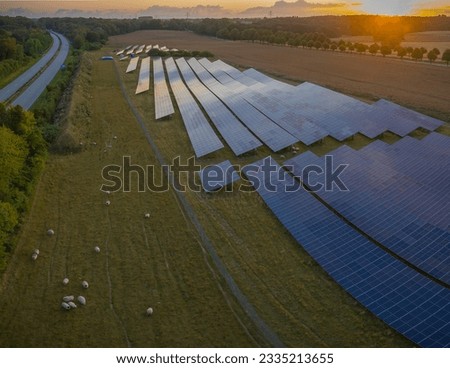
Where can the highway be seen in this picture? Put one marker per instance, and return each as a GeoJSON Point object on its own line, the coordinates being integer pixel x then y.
{"type": "Point", "coordinates": [13, 87]}
{"type": "Point", "coordinates": [31, 94]}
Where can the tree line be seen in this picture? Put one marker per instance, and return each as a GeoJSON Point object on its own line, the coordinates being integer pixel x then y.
{"type": "Point", "coordinates": [92, 33]}
{"type": "Point", "coordinates": [23, 152]}
{"type": "Point", "coordinates": [22, 40]}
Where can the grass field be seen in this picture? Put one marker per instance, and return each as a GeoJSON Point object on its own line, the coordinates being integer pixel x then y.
{"type": "Point", "coordinates": [160, 262]}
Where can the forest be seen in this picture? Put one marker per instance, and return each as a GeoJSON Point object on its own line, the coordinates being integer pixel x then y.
{"type": "Point", "coordinates": [22, 156]}
{"type": "Point", "coordinates": [22, 41]}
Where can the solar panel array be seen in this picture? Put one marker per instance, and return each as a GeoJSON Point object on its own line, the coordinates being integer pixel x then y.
{"type": "Point", "coordinates": [144, 76]}
{"type": "Point", "coordinates": [398, 194]}
{"type": "Point", "coordinates": [311, 112]}
{"type": "Point", "coordinates": [215, 177]}
{"type": "Point", "coordinates": [273, 107]}
{"type": "Point", "coordinates": [409, 302]}
{"type": "Point", "coordinates": [238, 137]}
{"type": "Point", "coordinates": [163, 102]}
{"type": "Point", "coordinates": [132, 65]}
{"type": "Point", "coordinates": [203, 138]}
{"type": "Point", "coordinates": [265, 129]}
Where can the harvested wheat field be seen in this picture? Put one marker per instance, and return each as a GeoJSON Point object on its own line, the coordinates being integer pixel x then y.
{"type": "Point", "coordinates": [362, 76]}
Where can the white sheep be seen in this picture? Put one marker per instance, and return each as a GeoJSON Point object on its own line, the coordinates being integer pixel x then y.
{"type": "Point", "coordinates": [36, 251]}
{"type": "Point", "coordinates": [50, 232]}
{"type": "Point", "coordinates": [108, 192]}
{"type": "Point", "coordinates": [108, 202]}
{"type": "Point", "coordinates": [97, 249]}
{"type": "Point", "coordinates": [68, 298]}
{"type": "Point", "coordinates": [72, 305]}
{"type": "Point", "coordinates": [65, 281]}
{"type": "Point", "coordinates": [65, 305]}
{"type": "Point", "coordinates": [115, 137]}
{"type": "Point", "coordinates": [147, 215]}
{"type": "Point", "coordinates": [149, 311]}
{"type": "Point", "coordinates": [81, 300]}
{"type": "Point", "coordinates": [85, 284]}
{"type": "Point", "coordinates": [34, 256]}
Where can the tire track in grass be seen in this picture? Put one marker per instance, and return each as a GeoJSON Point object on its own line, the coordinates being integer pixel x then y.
{"type": "Point", "coordinates": [108, 276]}
{"type": "Point", "coordinates": [204, 242]}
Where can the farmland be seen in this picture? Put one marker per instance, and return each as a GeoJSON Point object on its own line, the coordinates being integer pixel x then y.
{"type": "Point", "coordinates": [161, 261]}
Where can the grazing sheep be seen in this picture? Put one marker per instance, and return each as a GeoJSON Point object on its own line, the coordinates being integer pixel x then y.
{"type": "Point", "coordinates": [65, 281]}
{"type": "Point", "coordinates": [34, 256]}
{"type": "Point", "coordinates": [85, 284]}
{"type": "Point", "coordinates": [68, 298]}
{"type": "Point", "coordinates": [147, 215]}
{"type": "Point", "coordinates": [36, 251]}
{"type": "Point", "coordinates": [81, 300]}
{"type": "Point", "coordinates": [108, 192]}
{"type": "Point", "coordinates": [115, 137]}
{"type": "Point", "coordinates": [282, 156]}
{"type": "Point", "coordinates": [65, 305]}
{"type": "Point", "coordinates": [50, 232]}
{"type": "Point", "coordinates": [108, 202]}
{"type": "Point", "coordinates": [149, 311]}
{"type": "Point", "coordinates": [97, 249]}
{"type": "Point", "coordinates": [72, 305]}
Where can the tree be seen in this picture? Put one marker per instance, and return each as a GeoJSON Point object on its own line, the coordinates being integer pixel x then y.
{"type": "Point", "coordinates": [333, 46]}
{"type": "Point", "coordinates": [436, 51]}
{"type": "Point", "coordinates": [342, 47]}
{"type": "Point", "coordinates": [361, 48]}
{"type": "Point", "coordinates": [317, 45]}
{"type": "Point", "coordinates": [417, 54]}
{"type": "Point", "coordinates": [385, 50]}
{"type": "Point", "coordinates": [431, 56]}
{"type": "Point", "coordinates": [373, 49]}
{"type": "Point", "coordinates": [401, 52]}
{"type": "Point", "coordinates": [235, 34]}
{"type": "Point", "coordinates": [446, 56]}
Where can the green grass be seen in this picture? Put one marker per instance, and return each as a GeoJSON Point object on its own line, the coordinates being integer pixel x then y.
{"type": "Point", "coordinates": [156, 262]}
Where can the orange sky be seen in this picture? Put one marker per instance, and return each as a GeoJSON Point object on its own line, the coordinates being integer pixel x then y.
{"type": "Point", "coordinates": [392, 7]}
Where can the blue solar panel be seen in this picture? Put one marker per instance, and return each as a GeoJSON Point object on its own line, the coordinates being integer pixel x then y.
{"type": "Point", "coordinates": [409, 302]}
{"type": "Point", "coordinates": [215, 177]}
{"type": "Point", "coordinates": [398, 194]}
{"type": "Point", "coordinates": [238, 137]}
{"type": "Point", "coordinates": [203, 138]}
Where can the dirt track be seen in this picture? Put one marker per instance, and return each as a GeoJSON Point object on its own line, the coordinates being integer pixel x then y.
{"type": "Point", "coordinates": [419, 86]}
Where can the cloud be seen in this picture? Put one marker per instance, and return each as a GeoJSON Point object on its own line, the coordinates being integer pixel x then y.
{"type": "Point", "coordinates": [199, 11]}
{"type": "Point", "coordinates": [297, 8]}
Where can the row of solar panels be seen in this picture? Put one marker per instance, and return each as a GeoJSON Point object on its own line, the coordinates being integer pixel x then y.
{"type": "Point", "coordinates": [398, 194]}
